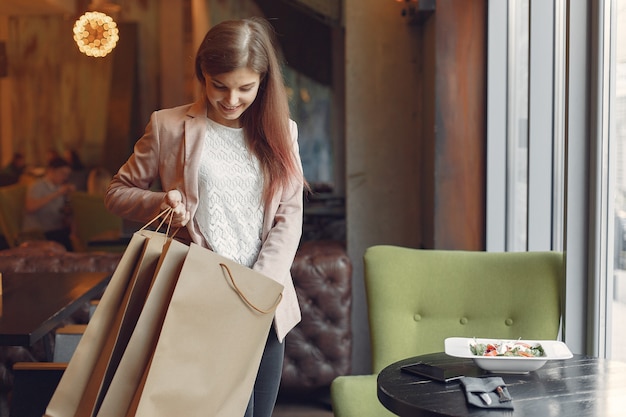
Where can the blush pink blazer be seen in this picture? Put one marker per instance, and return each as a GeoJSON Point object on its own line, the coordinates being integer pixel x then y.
{"type": "Point", "coordinates": [169, 152]}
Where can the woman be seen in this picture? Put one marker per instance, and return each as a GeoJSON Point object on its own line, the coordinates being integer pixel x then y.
{"type": "Point", "coordinates": [230, 169]}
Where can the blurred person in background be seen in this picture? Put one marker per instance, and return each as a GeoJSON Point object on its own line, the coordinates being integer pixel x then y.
{"type": "Point", "coordinates": [47, 208]}
{"type": "Point", "coordinates": [79, 173]}
{"type": "Point", "coordinates": [13, 171]}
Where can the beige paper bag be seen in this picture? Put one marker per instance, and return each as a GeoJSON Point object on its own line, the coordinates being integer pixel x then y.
{"type": "Point", "coordinates": [97, 355]}
{"type": "Point", "coordinates": [70, 390]}
{"type": "Point", "coordinates": [207, 356]}
{"type": "Point", "coordinates": [134, 361]}
{"type": "Point", "coordinates": [124, 324]}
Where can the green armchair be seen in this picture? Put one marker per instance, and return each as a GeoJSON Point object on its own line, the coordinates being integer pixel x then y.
{"type": "Point", "coordinates": [12, 198]}
{"type": "Point", "coordinates": [92, 221]}
{"type": "Point", "coordinates": [417, 298]}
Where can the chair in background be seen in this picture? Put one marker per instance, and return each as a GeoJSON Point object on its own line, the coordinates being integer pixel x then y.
{"type": "Point", "coordinates": [66, 339]}
{"type": "Point", "coordinates": [12, 200]}
{"type": "Point", "coordinates": [93, 222]}
{"type": "Point", "coordinates": [34, 384]}
{"type": "Point", "coordinates": [417, 298]}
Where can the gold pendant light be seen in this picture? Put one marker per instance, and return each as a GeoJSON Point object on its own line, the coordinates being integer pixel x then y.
{"type": "Point", "coordinates": [95, 33]}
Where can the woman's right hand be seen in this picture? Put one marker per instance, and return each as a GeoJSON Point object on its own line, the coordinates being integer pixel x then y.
{"type": "Point", "coordinates": [174, 199]}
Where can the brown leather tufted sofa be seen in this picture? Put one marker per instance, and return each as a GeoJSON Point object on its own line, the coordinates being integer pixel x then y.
{"type": "Point", "coordinates": [320, 347]}
{"type": "Point", "coordinates": [316, 351]}
{"type": "Point", "coordinates": [48, 256]}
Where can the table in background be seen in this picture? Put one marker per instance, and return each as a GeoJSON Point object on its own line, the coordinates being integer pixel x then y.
{"type": "Point", "coordinates": [582, 386]}
{"type": "Point", "coordinates": [33, 304]}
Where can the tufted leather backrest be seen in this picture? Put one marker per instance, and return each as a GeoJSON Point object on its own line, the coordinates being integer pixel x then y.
{"type": "Point", "coordinates": [417, 298]}
{"type": "Point", "coordinates": [320, 347]}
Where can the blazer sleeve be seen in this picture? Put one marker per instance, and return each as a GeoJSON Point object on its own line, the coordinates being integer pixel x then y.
{"type": "Point", "coordinates": [129, 194]}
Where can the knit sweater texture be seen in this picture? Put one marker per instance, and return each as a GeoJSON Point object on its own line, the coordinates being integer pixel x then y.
{"type": "Point", "coordinates": [230, 213]}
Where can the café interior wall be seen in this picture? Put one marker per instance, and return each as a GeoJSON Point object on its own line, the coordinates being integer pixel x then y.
{"type": "Point", "coordinates": [59, 98]}
{"type": "Point", "coordinates": [59, 95]}
{"type": "Point", "coordinates": [383, 100]}
{"type": "Point", "coordinates": [415, 134]}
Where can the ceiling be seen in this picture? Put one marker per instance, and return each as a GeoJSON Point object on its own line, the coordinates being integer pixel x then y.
{"type": "Point", "coordinates": [22, 7]}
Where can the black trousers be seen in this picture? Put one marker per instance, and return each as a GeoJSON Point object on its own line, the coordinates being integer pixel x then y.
{"type": "Point", "coordinates": [267, 381]}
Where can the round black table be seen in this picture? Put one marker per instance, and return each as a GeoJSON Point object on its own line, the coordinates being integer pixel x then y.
{"type": "Point", "coordinates": [579, 387]}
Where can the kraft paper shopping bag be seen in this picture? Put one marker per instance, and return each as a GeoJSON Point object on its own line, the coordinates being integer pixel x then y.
{"type": "Point", "coordinates": [208, 353]}
{"type": "Point", "coordinates": [123, 326]}
{"type": "Point", "coordinates": [69, 392]}
{"type": "Point", "coordinates": [134, 361]}
{"type": "Point", "coordinates": [97, 355]}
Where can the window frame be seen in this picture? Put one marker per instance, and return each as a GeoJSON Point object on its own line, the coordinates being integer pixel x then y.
{"type": "Point", "coordinates": [559, 106]}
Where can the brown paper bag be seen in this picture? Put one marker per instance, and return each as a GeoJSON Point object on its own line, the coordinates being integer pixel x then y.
{"type": "Point", "coordinates": [135, 359]}
{"type": "Point", "coordinates": [207, 356]}
{"type": "Point", "coordinates": [124, 324]}
{"type": "Point", "coordinates": [97, 355]}
{"type": "Point", "coordinates": [69, 392]}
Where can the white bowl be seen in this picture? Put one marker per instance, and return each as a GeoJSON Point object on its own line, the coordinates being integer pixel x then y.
{"type": "Point", "coordinates": [460, 347]}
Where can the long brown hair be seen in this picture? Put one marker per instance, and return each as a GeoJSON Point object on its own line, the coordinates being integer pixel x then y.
{"type": "Point", "coordinates": [250, 43]}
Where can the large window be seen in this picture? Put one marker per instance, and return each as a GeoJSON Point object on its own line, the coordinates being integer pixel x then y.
{"type": "Point", "coordinates": [557, 168]}
{"type": "Point", "coordinates": [525, 142]}
{"type": "Point", "coordinates": [517, 129]}
{"type": "Point", "coordinates": [538, 135]}
{"type": "Point", "coordinates": [611, 321]}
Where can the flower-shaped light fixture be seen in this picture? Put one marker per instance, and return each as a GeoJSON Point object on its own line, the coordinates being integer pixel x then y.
{"type": "Point", "coordinates": [96, 34]}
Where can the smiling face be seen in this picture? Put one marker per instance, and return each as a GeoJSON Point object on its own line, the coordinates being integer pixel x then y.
{"type": "Point", "coordinates": [230, 94]}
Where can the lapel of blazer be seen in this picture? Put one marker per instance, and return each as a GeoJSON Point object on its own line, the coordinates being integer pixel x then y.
{"type": "Point", "coordinates": [195, 127]}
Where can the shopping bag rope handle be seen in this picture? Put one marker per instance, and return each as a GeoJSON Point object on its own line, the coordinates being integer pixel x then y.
{"type": "Point", "coordinates": [245, 299]}
{"type": "Point", "coordinates": [166, 215]}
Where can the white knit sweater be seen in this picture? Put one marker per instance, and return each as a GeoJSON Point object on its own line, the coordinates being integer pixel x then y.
{"type": "Point", "coordinates": [230, 213]}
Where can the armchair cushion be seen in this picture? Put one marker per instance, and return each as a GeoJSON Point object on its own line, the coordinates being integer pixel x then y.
{"type": "Point", "coordinates": [343, 390]}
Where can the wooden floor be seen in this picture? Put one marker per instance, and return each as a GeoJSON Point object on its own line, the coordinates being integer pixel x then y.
{"type": "Point", "coordinates": [299, 409]}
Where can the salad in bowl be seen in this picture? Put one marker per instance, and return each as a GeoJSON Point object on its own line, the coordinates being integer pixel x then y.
{"type": "Point", "coordinates": [517, 348]}
{"type": "Point", "coordinates": [507, 356]}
